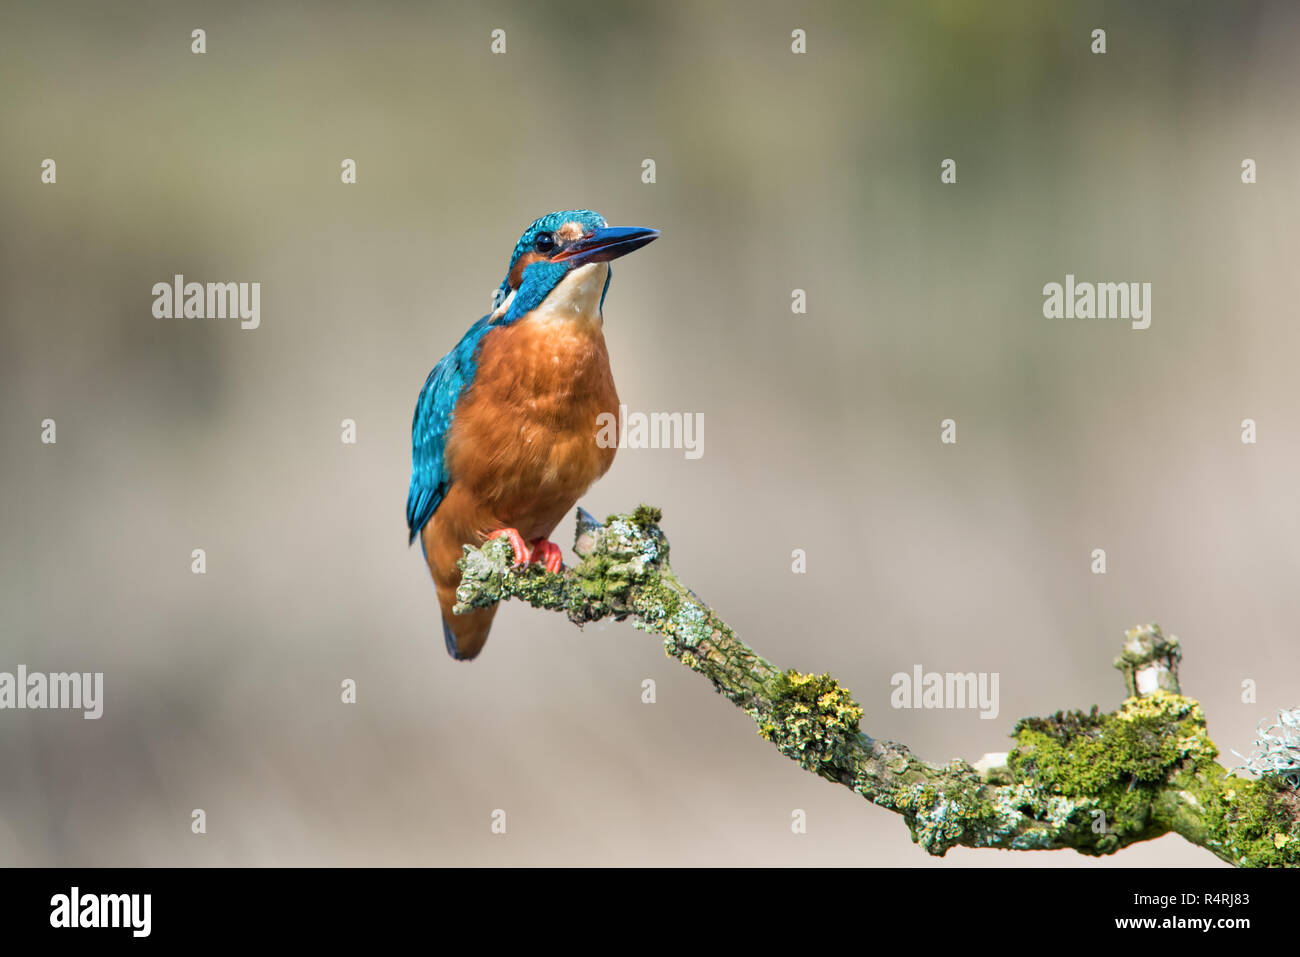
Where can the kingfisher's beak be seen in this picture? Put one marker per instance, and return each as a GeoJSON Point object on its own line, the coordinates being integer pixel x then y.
{"type": "Point", "coordinates": [606, 244]}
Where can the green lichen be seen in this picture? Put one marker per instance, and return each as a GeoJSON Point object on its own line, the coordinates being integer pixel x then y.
{"type": "Point", "coordinates": [647, 516]}
{"type": "Point", "coordinates": [617, 561]}
{"type": "Point", "coordinates": [1118, 764]}
{"type": "Point", "coordinates": [810, 719]}
{"type": "Point", "coordinates": [1250, 823]}
{"type": "Point", "coordinates": [660, 607]}
{"type": "Point", "coordinates": [1097, 783]}
{"type": "Point", "coordinates": [1082, 754]}
{"type": "Point", "coordinates": [1063, 724]}
{"type": "Point", "coordinates": [942, 806]}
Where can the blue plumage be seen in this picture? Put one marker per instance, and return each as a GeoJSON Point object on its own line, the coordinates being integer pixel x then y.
{"type": "Point", "coordinates": [433, 412]}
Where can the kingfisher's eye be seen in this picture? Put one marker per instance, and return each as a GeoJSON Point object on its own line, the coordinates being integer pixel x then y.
{"type": "Point", "coordinates": [545, 242]}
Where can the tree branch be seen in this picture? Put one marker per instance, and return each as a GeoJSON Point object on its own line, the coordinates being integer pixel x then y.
{"type": "Point", "coordinates": [1089, 781]}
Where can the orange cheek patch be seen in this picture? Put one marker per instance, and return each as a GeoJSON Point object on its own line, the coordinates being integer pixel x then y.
{"type": "Point", "coordinates": [522, 263]}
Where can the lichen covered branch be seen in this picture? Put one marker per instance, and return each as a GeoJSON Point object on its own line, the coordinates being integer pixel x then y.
{"type": "Point", "coordinates": [1089, 781]}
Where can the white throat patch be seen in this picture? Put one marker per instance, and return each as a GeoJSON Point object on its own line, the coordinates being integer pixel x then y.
{"type": "Point", "coordinates": [577, 295]}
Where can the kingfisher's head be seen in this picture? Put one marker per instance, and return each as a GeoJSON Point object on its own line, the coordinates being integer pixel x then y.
{"type": "Point", "coordinates": [561, 263]}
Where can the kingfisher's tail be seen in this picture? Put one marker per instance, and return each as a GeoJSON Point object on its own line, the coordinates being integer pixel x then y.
{"type": "Point", "coordinates": [466, 634]}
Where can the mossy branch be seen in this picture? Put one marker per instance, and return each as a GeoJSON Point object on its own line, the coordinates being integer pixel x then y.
{"type": "Point", "coordinates": [1089, 781]}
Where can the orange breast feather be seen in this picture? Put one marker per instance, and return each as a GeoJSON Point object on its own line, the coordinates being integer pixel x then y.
{"type": "Point", "coordinates": [522, 445]}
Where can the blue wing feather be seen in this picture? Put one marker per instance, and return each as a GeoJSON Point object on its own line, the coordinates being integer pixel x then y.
{"type": "Point", "coordinates": [434, 411]}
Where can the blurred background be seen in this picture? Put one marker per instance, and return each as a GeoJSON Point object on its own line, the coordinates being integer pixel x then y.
{"type": "Point", "coordinates": [775, 171]}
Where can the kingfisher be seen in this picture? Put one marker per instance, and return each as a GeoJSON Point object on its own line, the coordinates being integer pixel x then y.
{"type": "Point", "coordinates": [504, 439]}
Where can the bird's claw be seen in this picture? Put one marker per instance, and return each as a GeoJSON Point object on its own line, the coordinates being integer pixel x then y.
{"type": "Point", "coordinates": [523, 556]}
{"type": "Point", "coordinates": [549, 554]}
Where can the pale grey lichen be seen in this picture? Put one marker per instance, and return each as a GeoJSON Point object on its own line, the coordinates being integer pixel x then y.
{"type": "Point", "coordinates": [1277, 749]}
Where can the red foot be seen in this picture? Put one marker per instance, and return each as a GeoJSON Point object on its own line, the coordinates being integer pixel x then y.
{"type": "Point", "coordinates": [549, 554]}
{"type": "Point", "coordinates": [523, 556]}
